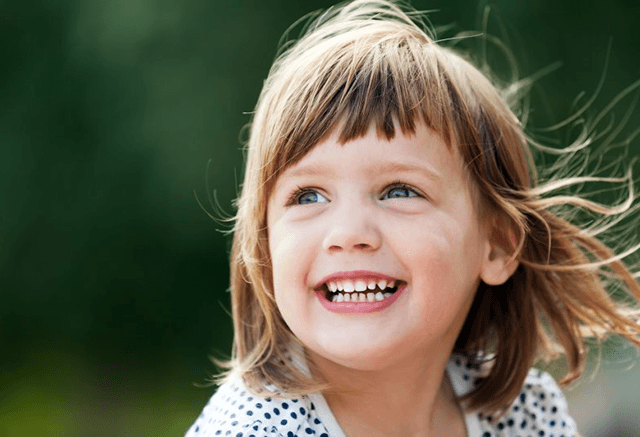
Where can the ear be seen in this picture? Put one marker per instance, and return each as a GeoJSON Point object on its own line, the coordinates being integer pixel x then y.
{"type": "Point", "coordinates": [499, 258]}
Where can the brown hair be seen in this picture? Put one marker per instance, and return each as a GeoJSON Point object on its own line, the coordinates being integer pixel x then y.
{"type": "Point", "coordinates": [368, 62]}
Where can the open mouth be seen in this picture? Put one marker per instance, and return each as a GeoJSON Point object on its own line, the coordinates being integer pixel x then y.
{"type": "Point", "coordinates": [360, 290]}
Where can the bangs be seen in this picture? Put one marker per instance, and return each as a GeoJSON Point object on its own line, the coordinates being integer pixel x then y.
{"type": "Point", "coordinates": [384, 74]}
{"type": "Point", "coordinates": [387, 92]}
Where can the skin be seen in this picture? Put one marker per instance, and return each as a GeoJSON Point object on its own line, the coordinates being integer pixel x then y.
{"type": "Point", "coordinates": [401, 208]}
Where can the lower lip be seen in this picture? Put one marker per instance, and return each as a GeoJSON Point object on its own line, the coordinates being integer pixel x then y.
{"type": "Point", "coordinates": [359, 307]}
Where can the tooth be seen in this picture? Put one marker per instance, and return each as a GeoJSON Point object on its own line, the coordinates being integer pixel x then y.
{"type": "Point", "coordinates": [361, 285]}
{"type": "Point", "coordinates": [334, 298]}
{"type": "Point", "coordinates": [348, 286]}
{"type": "Point", "coordinates": [339, 297]}
{"type": "Point", "coordinates": [347, 297]}
{"type": "Point", "coordinates": [362, 297]}
{"type": "Point", "coordinates": [386, 295]}
{"type": "Point", "coordinates": [391, 284]}
{"type": "Point", "coordinates": [379, 295]}
{"type": "Point", "coordinates": [382, 284]}
{"type": "Point", "coordinates": [340, 285]}
{"type": "Point", "coordinates": [332, 287]}
{"type": "Point", "coordinates": [372, 285]}
{"type": "Point", "coordinates": [370, 297]}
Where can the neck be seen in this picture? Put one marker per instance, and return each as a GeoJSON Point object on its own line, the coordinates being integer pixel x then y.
{"type": "Point", "coordinates": [408, 399]}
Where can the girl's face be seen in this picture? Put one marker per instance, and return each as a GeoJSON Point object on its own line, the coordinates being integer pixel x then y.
{"type": "Point", "coordinates": [394, 220]}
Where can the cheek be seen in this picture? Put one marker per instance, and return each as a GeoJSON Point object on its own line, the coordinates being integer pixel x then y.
{"type": "Point", "coordinates": [291, 258]}
{"type": "Point", "coordinates": [444, 257]}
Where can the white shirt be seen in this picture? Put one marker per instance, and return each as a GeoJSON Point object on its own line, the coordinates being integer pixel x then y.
{"type": "Point", "coordinates": [540, 410]}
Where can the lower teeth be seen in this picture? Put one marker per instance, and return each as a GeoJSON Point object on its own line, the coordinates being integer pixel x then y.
{"type": "Point", "coordinates": [360, 297]}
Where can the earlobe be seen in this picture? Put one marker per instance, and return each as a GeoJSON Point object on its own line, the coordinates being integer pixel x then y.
{"type": "Point", "coordinates": [499, 261]}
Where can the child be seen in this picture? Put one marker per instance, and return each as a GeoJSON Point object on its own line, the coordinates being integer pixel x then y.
{"type": "Point", "coordinates": [396, 270]}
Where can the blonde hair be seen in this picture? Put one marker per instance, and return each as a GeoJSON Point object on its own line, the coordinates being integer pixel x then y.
{"type": "Point", "coordinates": [369, 62]}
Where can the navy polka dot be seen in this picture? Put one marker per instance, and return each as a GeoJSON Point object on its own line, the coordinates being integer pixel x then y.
{"type": "Point", "coordinates": [538, 409]}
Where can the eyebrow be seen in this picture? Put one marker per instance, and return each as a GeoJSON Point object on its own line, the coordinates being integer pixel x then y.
{"type": "Point", "coordinates": [378, 168]}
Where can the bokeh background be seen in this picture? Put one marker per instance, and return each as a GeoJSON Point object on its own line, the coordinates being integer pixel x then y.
{"type": "Point", "coordinates": [120, 130]}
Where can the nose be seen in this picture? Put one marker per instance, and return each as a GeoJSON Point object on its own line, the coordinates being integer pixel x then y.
{"type": "Point", "coordinates": [352, 228]}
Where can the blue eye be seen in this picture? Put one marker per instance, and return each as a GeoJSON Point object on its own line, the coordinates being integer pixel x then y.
{"type": "Point", "coordinates": [399, 191]}
{"type": "Point", "coordinates": [307, 196]}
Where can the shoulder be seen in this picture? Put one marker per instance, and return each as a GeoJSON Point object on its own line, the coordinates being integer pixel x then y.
{"type": "Point", "coordinates": [539, 410]}
{"type": "Point", "coordinates": [233, 411]}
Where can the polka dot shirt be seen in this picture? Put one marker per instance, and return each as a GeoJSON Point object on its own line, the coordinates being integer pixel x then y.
{"type": "Point", "coordinates": [540, 410]}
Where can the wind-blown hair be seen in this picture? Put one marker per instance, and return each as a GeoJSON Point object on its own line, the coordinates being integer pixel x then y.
{"type": "Point", "coordinates": [370, 63]}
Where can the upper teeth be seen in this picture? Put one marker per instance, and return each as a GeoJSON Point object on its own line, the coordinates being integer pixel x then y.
{"type": "Point", "coordinates": [349, 286]}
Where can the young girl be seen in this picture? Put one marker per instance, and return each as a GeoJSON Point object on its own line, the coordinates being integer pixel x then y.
{"type": "Point", "coordinates": [396, 268]}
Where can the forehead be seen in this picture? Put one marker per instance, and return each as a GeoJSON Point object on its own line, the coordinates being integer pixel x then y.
{"type": "Point", "coordinates": [341, 133]}
{"type": "Point", "coordinates": [422, 152]}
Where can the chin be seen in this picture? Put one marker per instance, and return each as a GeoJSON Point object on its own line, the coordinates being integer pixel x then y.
{"type": "Point", "coordinates": [356, 356]}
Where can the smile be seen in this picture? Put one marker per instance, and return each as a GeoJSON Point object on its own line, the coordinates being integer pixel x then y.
{"type": "Point", "coordinates": [358, 291]}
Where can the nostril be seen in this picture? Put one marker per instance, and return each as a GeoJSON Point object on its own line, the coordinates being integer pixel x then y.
{"type": "Point", "coordinates": [359, 246]}
{"type": "Point", "coordinates": [345, 238]}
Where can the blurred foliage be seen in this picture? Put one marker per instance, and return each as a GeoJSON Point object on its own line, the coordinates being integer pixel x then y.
{"type": "Point", "coordinates": [117, 118]}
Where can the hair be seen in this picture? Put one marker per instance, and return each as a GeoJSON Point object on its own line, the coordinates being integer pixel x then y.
{"type": "Point", "coordinates": [371, 63]}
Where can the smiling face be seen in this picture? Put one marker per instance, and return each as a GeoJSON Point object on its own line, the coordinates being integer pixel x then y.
{"type": "Point", "coordinates": [394, 220]}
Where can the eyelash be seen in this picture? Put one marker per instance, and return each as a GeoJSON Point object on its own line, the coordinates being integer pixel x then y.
{"type": "Point", "coordinates": [300, 191]}
{"type": "Point", "coordinates": [402, 186]}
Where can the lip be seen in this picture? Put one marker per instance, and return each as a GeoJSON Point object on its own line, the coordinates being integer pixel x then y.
{"type": "Point", "coordinates": [355, 274]}
{"type": "Point", "coordinates": [359, 307]}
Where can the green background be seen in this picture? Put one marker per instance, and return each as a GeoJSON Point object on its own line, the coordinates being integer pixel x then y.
{"type": "Point", "coordinates": [118, 118]}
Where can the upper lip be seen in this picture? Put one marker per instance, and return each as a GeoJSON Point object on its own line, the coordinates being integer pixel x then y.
{"type": "Point", "coordinates": [354, 274]}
